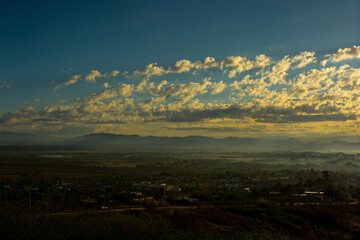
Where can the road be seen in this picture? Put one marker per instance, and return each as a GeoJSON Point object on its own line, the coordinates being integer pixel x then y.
{"type": "Point", "coordinates": [121, 210]}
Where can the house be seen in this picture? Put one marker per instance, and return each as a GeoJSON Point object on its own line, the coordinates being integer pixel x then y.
{"type": "Point", "coordinates": [143, 186]}
{"type": "Point", "coordinates": [317, 193]}
{"type": "Point", "coordinates": [148, 186]}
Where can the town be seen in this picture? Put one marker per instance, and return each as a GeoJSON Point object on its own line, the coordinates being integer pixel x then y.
{"type": "Point", "coordinates": [66, 183]}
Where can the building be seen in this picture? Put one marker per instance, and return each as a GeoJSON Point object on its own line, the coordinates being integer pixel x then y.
{"type": "Point", "coordinates": [317, 193]}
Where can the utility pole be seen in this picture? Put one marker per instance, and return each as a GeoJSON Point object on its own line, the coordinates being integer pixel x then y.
{"type": "Point", "coordinates": [30, 200]}
{"type": "Point", "coordinates": [252, 193]}
{"type": "Point", "coordinates": [252, 196]}
{"type": "Point", "coordinates": [6, 198]}
{"type": "Point", "coordinates": [104, 205]}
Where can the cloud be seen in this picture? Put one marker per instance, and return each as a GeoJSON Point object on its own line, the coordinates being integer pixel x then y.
{"type": "Point", "coordinates": [304, 59]}
{"type": "Point", "coordinates": [94, 110]}
{"type": "Point", "coordinates": [89, 77]}
{"type": "Point", "coordinates": [262, 61]}
{"type": "Point", "coordinates": [182, 66]}
{"type": "Point", "coordinates": [342, 54]}
{"type": "Point", "coordinates": [233, 65]}
{"type": "Point", "coordinates": [218, 87]}
{"type": "Point", "coordinates": [114, 73]}
{"type": "Point", "coordinates": [275, 94]}
{"type": "Point", "coordinates": [278, 71]}
{"type": "Point", "coordinates": [106, 85]}
{"type": "Point", "coordinates": [124, 90]}
{"type": "Point", "coordinates": [151, 87]}
{"type": "Point", "coordinates": [217, 129]}
{"type": "Point", "coordinates": [210, 62]}
{"type": "Point", "coordinates": [185, 66]}
{"type": "Point", "coordinates": [92, 75]}
{"type": "Point", "coordinates": [73, 79]}
{"type": "Point", "coordinates": [185, 92]}
{"type": "Point", "coordinates": [312, 81]}
{"type": "Point", "coordinates": [151, 70]}
{"type": "Point", "coordinates": [238, 65]}
{"type": "Point", "coordinates": [179, 92]}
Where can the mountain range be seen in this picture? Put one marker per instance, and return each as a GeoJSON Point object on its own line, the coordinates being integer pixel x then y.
{"type": "Point", "coordinates": [111, 141]}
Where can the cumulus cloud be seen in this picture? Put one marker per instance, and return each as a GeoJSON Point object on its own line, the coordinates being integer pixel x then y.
{"type": "Point", "coordinates": [182, 66]}
{"type": "Point", "coordinates": [342, 54]}
{"type": "Point", "coordinates": [218, 87]}
{"type": "Point", "coordinates": [151, 87]}
{"type": "Point", "coordinates": [185, 92]}
{"type": "Point", "coordinates": [176, 92]}
{"type": "Point", "coordinates": [210, 62]}
{"type": "Point", "coordinates": [277, 92]}
{"type": "Point", "coordinates": [233, 65]}
{"type": "Point", "coordinates": [312, 81]}
{"type": "Point", "coordinates": [304, 59]}
{"type": "Point", "coordinates": [106, 85]}
{"type": "Point", "coordinates": [279, 71]}
{"type": "Point", "coordinates": [73, 79]}
{"type": "Point", "coordinates": [92, 75]}
{"type": "Point", "coordinates": [89, 77]}
{"type": "Point", "coordinates": [185, 66]}
{"type": "Point", "coordinates": [151, 70]}
{"type": "Point", "coordinates": [262, 61]}
{"type": "Point", "coordinates": [238, 65]}
{"type": "Point", "coordinates": [103, 108]}
{"type": "Point", "coordinates": [114, 73]}
{"type": "Point", "coordinates": [124, 90]}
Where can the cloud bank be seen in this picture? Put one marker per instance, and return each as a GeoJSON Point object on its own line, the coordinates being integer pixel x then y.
{"type": "Point", "coordinates": [291, 95]}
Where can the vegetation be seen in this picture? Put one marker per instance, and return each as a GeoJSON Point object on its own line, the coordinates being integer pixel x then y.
{"type": "Point", "coordinates": [62, 194]}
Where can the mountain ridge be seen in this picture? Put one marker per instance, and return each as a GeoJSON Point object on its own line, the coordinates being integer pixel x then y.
{"type": "Point", "coordinates": [192, 142]}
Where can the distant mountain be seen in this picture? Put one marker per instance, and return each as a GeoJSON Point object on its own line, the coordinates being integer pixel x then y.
{"type": "Point", "coordinates": [104, 140]}
{"type": "Point", "coordinates": [190, 142]}
{"type": "Point", "coordinates": [135, 141]}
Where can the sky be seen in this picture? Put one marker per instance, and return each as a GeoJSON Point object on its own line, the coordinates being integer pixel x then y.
{"type": "Point", "coordinates": [178, 68]}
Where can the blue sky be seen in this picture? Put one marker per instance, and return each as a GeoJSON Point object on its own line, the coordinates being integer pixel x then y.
{"type": "Point", "coordinates": [44, 43]}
